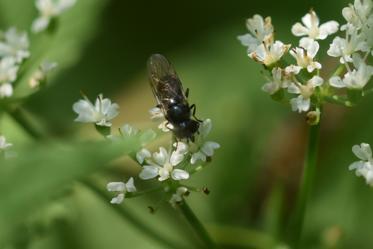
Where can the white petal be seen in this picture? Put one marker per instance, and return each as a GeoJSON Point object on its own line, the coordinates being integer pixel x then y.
{"type": "Point", "coordinates": [363, 151]}
{"type": "Point", "coordinates": [316, 81]}
{"type": "Point", "coordinates": [293, 89]}
{"type": "Point", "coordinates": [176, 158]}
{"type": "Point", "coordinates": [205, 128]}
{"type": "Point", "coordinates": [209, 147]}
{"type": "Point", "coordinates": [130, 185]}
{"type": "Point", "coordinates": [197, 156]}
{"type": "Point", "coordinates": [327, 28]}
{"type": "Point", "coordinates": [270, 87]}
{"type": "Point", "coordinates": [156, 113]}
{"type": "Point", "coordinates": [85, 110]}
{"type": "Point", "coordinates": [356, 165]}
{"type": "Point", "coordinates": [161, 157]}
{"type": "Point", "coordinates": [116, 186]}
{"type": "Point", "coordinates": [299, 30]}
{"type": "Point", "coordinates": [129, 130]}
{"type": "Point", "coordinates": [164, 173]}
{"type": "Point", "coordinates": [148, 172]}
{"type": "Point", "coordinates": [310, 45]}
{"type": "Point", "coordinates": [6, 90]}
{"type": "Point", "coordinates": [181, 147]}
{"type": "Point", "coordinates": [179, 174]}
{"type": "Point", "coordinates": [142, 155]}
{"type": "Point", "coordinates": [40, 24]}
{"type": "Point", "coordinates": [337, 82]}
{"type": "Point", "coordinates": [118, 199]}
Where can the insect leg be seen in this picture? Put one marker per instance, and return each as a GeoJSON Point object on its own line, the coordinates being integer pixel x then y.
{"type": "Point", "coordinates": [193, 109]}
{"type": "Point", "coordinates": [187, 92]}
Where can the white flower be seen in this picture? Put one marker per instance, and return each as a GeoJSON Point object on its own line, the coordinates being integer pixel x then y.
{"type": "Point", "coordinates": [4, 145]}
{"type": "Point", "coordinates": [202, 149]}
{"type": "Point", "coordinates": [49, 9]}
{"type": "Point", "coordinates": [163, 166]}
{"type": "Point", "coordinates": [15, 45]}
{"type": "Point", "coordinates": [177, 197]}
{"type": "Point", "coordinates": [260, 31]}
{"type": "Point", "coordinates": [40, 75]}
{"type": "Point", "coordinates": [129, 130]}
{"type": "Point", "coordinates": [344, 48]}
{"type": "Point", "coordinates": [165, 126]}
{"type": "Point", "coordinates": [312, 29]}
{"type": "Point", "coordinates": [156, 113]}
{"type": "Point", "coordinates": [278, 80]}
{"type": "Point", "coordinates": [357, 14]}
{"type": "Point", "coordinates": [8, 70]}
{"type": "Point", "coordinates": [122, 188]}
{"type": "Point", "coordinates": [101, 113]}
{"type": "Point", "coordinates": [269, 54]}
{"type": "Point", "coordinates": [355, 79]}
{"type": "Point", "coordinates": [364, 167]}
{"type": "Point", "coordinates": [6, 90]}
{"type": "Point", "coordinates": [302, 103]}
{"type": "Point", "coordinates": [143, 154]}
{"type": "Point", "coordinates": [306, 53]}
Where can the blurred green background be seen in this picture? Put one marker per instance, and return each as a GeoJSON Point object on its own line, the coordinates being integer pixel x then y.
{"type": "Point", "coordinates": [102, 47]}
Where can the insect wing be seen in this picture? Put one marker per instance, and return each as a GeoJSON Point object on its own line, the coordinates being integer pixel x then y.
{"type": "Point", "coordinates": [165, 83]}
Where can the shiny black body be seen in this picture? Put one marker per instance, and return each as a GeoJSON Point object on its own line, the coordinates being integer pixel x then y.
{"type": "Point", "coordinates": [171, 98]}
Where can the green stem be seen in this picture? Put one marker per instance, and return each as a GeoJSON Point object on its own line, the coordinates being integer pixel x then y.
{"type": "Point", "coordinates": [196, 225]}
{"type": "Point", "coordinates": [135, 221]}
{"type": "Point", "coordinates": [306, 187]}
{"type": "Point", "coordinates": [21, 118]}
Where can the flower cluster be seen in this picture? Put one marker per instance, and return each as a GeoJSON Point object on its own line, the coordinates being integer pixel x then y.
{"type": "Point", "coordinates": [170, 167]}
{"type": "Point", "coordinates": [300, 83]}
{"type": "Point", "coordinates": [364, 167]}
{"type": "Point", "coordinates": [49, 9]}
{"type": "Point", "coordinates": [14, 48]}
{"type": "Point", "coordinates": [13, 51]}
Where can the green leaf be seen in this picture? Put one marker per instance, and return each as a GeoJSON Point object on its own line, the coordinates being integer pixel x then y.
{"type": "Point", "coordinates": [38, 172]}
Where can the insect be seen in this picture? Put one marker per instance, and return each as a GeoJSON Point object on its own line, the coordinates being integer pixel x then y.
{"type": "Point", "coordinates": [171, 98]}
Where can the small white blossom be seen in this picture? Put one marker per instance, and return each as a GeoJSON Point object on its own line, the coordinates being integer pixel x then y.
{"type": "Point", "coordinates": [122, 188]}
{"type": "Point", "coordinates": [163, 166]}
{"type": "Point", "coordinates": [165, 126]}
{"type": "Point", "coordinates": [8, 70]}
{"type": "Point", "coordinates": [202, 149]}
{"type": "Point", "coordinates": [278, 80]}
{"type": "Point", "coordinates": [306, 53]}
{"type": "Point", "coordinates": [261, 31]}
{"type": "Point", "coordinates": [302, 103]}
{"type": "Point", "coordinates": [6, 90]}
{"type": "Point", "coordinates": [15, 45]}
{"type": "Point", "coordinates": [355, 79]}
{"type": "Point", "coordinates": [143, 154]}
{"type": "Point", "coordinates": [4, 144]}
{"type": "Point", "coordinates": [344, 48]}
{"type": "Point", "coordinates": [49, 9]}
{"type": "Point", "coordinates": [177, 197]}
{"type": "Point", "coordinates": [357, 15]}
{"type": "Point", "coordinates": [269, 54]}
{"type": "Point", "coordinates": [40, 75]}
{"type": "Point", "coordinates": [129, 130]}
{"type": "Point", "coordinates": [364, 167]}
{"type": "Point", "coordinates": [312, 29]}
{"type": "Point", "coordinates": [156, 113]}
{"type": "Point", "coordinates": [100, 114]}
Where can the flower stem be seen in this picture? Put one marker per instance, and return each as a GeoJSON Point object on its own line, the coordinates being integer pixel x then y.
{"type": "Point", "coordinates": [196, 225]}
{"type": "Point", "coordinates": [296, 224]}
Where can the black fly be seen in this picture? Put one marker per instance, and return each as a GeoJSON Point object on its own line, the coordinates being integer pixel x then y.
{"type": "Point", "coordinates": [171, 98]}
